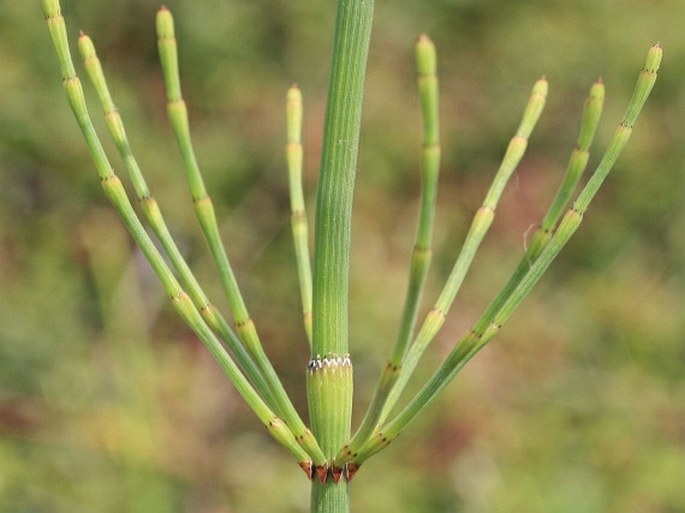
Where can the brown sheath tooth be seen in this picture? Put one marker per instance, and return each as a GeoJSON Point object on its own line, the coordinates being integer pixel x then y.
{"type": "Point", "coordinates": [308, 468]}
{"type": "Point", "coordinates": [351, 470]}
{"type": "Point", "coordinates": [337, 473]}
{"type": "Point", "coordinates": [322, 472]}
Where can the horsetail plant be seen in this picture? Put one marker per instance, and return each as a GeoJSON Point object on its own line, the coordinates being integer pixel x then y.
{"type": "Point", "coordinates": [328, 453]}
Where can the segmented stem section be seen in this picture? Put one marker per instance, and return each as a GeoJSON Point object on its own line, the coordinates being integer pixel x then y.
{"type": "Point", "coordinates": [489, 325]}
{"type": "Point", "coordinates": [178, 116]}
{"type": "Point", "coordinates": [338, 169]}
{"type": "Point", "coordinates": [592, 113]}
{"type": "Point", "coordinates": [427, 82]}
{"type": "Point", "coordinates": [116, 194]}
{"type": "Point", "coordinates": [329, 387]}
{"type": "Point", "coordinates": [298, 217]}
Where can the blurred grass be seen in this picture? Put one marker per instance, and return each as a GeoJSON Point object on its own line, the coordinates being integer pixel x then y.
{"type": "Point", "coordinates": [107, 403]}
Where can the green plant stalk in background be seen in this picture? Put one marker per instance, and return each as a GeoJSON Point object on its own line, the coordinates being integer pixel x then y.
{"type": "Point", "coordinates": [327, 453]}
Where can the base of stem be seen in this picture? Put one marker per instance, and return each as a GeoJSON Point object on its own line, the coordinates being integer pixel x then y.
{"type": "Point", "coordinates": [330, 497]}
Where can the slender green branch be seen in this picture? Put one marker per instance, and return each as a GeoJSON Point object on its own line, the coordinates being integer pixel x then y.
{"type": "Point", "coordinates": [178, 116]}
{"type": "Point", "coordinates": [576, 166]}
{"type": "Point", "coordinates": [426, 66]}
{"type": "Point", "coordinates": [479, 227]}
{"type": "Point", "coordinates": [116, 194]}
{"type": "Point", "coordinates": [578, 162]}
{"type": "Point", "coordinates": [153, 216]}
{"type": "Point", "coordinates": [489, 325]}
{"type": "Point", "coordinates": [298, 213]}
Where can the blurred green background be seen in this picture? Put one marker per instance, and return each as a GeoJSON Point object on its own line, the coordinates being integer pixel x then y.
{"type": "Point", "coordinates": [109, 404]}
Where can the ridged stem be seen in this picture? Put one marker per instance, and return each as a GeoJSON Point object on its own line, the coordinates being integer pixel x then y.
{"type": "Point", "coordinates": [330, 497]}
{"type": "Point", "coordinates": [330, 400]}
{"type": "Point", "coordinates": [338, 169]}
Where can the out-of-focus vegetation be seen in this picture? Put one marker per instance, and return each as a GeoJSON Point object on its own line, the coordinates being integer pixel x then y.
{"type": "Point", "coordinates": [108, 403]}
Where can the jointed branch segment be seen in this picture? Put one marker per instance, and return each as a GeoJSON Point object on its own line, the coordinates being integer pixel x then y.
{"type": "Point", "coordinates": [427, 81]}
{"type": "Point", "coordinates": [299, 215]}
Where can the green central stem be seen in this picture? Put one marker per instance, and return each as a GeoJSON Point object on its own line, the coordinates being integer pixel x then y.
{"type": "Point", "coordinates": [338, 166]}
{"type": "Point", "coordinates": [330, 392]}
